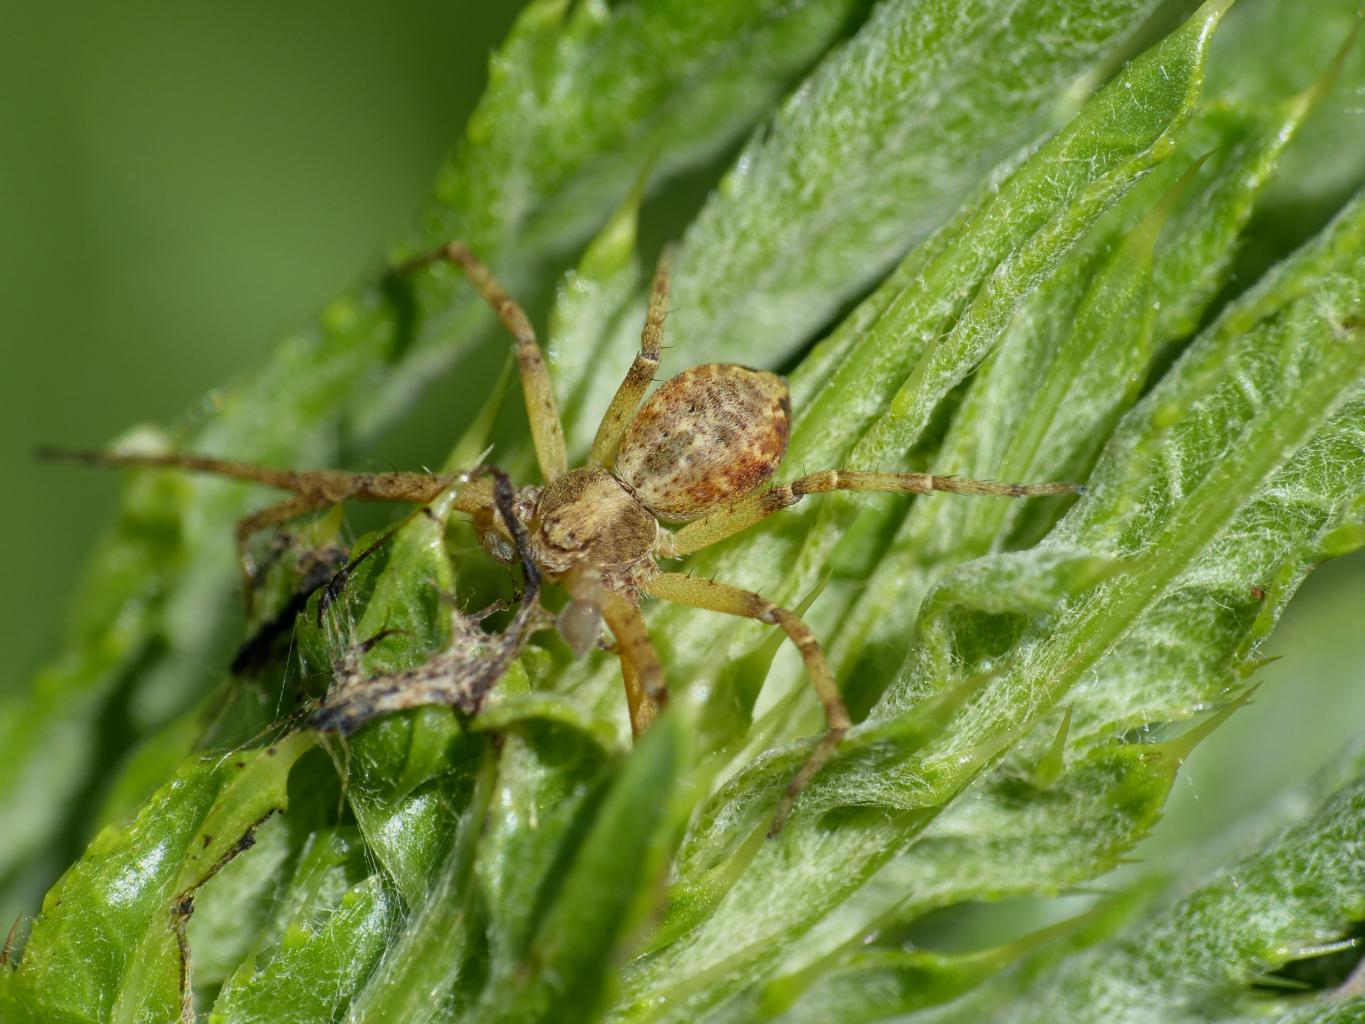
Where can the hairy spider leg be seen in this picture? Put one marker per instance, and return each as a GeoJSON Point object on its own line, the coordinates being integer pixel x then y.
{"type": "Point", "coordinates": [327, 486]}
{"type": "Point", "coordinates": [641, 373]}
{"type": "Point", "coordinates": [759, 505]}
{"type": "Point", "coordinates": [721, 597]}
{"type": "Point", "coordinates": [640, 665]}
{"type": "Point", "coordinates": [313, 489]}
{"type": "Point", "coordinates": [547, 433]}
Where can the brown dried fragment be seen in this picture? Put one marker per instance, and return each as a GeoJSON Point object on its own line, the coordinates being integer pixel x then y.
{"type": "Point", "coordinates": [460, 676]}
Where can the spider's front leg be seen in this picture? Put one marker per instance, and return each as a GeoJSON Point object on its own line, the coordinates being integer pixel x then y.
{"type": "Point", "coordinates": [640, 375]}
{"type": "Point", "coordinates": [311, 489]}
{"type": "Point", "coordinates": [547, 432]}
{"type": "Point", "coordinates": [720, 597]}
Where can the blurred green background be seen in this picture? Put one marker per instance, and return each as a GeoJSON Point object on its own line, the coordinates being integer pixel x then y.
{"type": "Point", "coordinates": [183, 184]}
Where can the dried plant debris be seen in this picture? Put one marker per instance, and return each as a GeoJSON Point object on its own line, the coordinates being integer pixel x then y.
{"type": "Point", "coordinates": [312, 569]}
{"type": "Point", "coordinates": [461, 676]}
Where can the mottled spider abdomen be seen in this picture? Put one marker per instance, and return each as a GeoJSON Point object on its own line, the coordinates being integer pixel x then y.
{"type": "Point", "coordinates": [707, 436]}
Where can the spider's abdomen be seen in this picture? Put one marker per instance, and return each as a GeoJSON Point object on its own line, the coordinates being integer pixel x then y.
{"type": "Point", "coordinates": [586, 515]}
{"type": "Point", "coordinates": [707, 436]}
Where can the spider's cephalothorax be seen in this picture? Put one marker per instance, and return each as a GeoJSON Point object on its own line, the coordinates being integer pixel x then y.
{"type": "Point", "coordinates": [710, 435]}
{"type": "Point", "coordinates": [700, 452]}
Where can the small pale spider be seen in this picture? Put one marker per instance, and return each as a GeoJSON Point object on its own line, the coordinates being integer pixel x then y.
{"type": "Point", "coordinates": [701, 451]}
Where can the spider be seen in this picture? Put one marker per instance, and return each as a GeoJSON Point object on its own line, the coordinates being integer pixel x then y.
{"type": "Point", "coordinates": [699, 453]}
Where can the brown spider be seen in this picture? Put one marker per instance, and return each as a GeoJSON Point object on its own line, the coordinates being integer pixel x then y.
{"type": "Point", "coordinates": [700, 452]}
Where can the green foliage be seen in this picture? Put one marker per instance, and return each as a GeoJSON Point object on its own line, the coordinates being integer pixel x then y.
{"type": "Point", "coordinates": [1204, 955]}
{"type": "Point", "coordinates": [1028, 677]}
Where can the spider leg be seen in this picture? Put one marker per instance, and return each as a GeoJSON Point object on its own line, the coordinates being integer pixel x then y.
{"type": "Point", "coordinates": [312, 489]}
{"type": "Point", "coordinates": [627, 399]}
{"type": "Point", "coordinates": [640, 665]}
{"type": "Point", "coordinates": [547, 433]}
{"type": "Point", "coordinates": [758, 505]}
{"type": "Point", "coordinates": [321, 486]}
{"type": "Point", "coordinates": [720, 597]}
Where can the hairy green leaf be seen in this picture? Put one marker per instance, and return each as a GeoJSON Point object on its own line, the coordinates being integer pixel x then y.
{"type": "Point", "coordinates": [1228, 473]}
{"type": "Point", "coordinates": [109, 945]}
{"type": "Point", "coordinates": [1199, 958]}
{"type": "Point", "coordinates": [332, 924]}
{"type": "Point", "coordinates": [868, 156]}
{"type": "Point", "coordinates": [873, 152]}
{"type": "Point", "coordinates": [949, 304]}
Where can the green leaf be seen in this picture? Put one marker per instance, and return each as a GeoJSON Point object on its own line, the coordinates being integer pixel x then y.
{"type": "Point", "coordinates": [333, 921]}
{"type": "Point", "coordinates": [434, 952]}
{"type": "Point", "coordinates": [108, 943]}
{"type": "Point", "coordinates": [1343, 1012]}
{"type": "Point", "coordinates": [605, 893]}
{"type": "Point", "coordinates": [1083, 347]}
{"type": "Point", "coordinates": [315, 971]}
{"type": "Point", "coordinates": [1202, 955]}
{"type": "Point", "coordinates": [406, 772]}
{"type": "Point", "coordinates": [967, 282]}
{"type": "Point", "coordinates": [1323, 168]}
{"type": "Point", "coordinates": [1229, 471]}
{"type": "Point", "coordinates": [871, 154]}
{"type": "Point", "coordinates": [870, 985]}
{"type": "Point", "coordinates": [1034, 187]}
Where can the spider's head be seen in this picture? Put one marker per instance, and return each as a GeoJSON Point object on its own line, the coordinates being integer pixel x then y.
{"type": "Point", "coordinates": [588, 516]}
